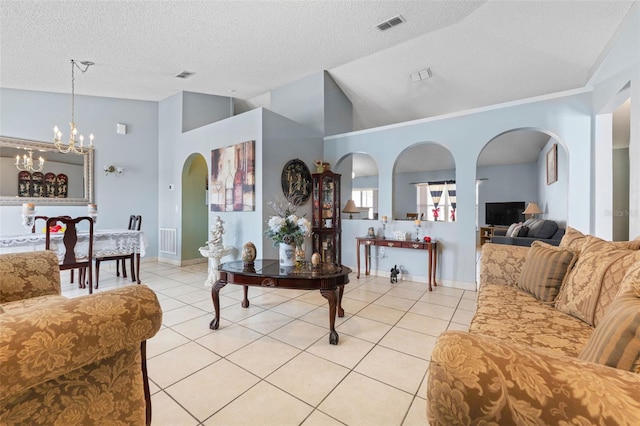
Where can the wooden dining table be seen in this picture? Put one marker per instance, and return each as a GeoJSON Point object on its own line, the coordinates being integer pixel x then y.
{"type": "Point", "coordinates": [106, 242]}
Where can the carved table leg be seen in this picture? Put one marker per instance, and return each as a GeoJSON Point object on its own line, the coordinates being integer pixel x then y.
{"type": "Point", "coordinates": [340, 310]}
{"type": "Point", "coordinates": [245, 301]}
{"type": "Point", "coordinates": [215, 293]}
{"type": "Point", "coordinates": [331, 296]}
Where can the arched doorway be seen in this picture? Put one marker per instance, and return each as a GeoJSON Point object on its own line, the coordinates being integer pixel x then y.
{"type": "Point", "coordinates": [195, 217]}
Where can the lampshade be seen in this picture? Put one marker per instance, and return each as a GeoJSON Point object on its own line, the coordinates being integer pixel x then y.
{"type": "Point", "coordinates": [351, 208]}
{"type": "Point", "coordinates": [532, 208]}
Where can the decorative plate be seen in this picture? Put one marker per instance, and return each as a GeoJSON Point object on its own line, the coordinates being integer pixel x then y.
{"type": "Point", "coordinates": [296, 182]}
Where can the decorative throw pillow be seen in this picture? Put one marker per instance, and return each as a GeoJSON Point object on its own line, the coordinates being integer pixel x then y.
{"type": "Point", "coordinates": [509, 232]}
{"type": "Point", "coordinates": [543, 229]}
{"type": "Point", "coordinates": [545, 269]}
{"type": "Point", "coordinates": [595, 279]}
{"type": "Point", "coordinates": [616, 340]}
{"type": "Point", "coordinates": [573, 240]}
{"type": "Point", "coordinates": [517, 231]}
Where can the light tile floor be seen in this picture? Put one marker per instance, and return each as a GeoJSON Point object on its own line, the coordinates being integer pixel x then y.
{"type": "Point", "coordinates": [272, 364]}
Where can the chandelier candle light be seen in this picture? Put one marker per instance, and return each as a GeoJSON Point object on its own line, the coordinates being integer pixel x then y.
{"type": "Point", "coordinates": [26, 164]}
{"type": "Point", "coordinates": [73, 146]}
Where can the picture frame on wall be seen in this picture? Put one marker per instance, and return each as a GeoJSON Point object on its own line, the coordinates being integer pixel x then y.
{"type": "Point", "coordinates": [232, 180]}
{"type": "Point", "coordinates": [552, 164]}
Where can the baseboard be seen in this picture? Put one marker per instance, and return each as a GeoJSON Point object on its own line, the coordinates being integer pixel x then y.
{"type": "Point", "coordinates": [461, 285]}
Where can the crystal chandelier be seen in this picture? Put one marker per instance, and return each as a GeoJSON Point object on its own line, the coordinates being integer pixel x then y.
{"type": "Point", "coordinates": [26, 163]}
{"type": "Point", "coordinates": [73, 146]}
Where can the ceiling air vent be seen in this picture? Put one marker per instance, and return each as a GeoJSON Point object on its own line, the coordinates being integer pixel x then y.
{"type": "Point", "coordinates": [396, 20]}
{"type": "Point", "coordinates": [185, 74]}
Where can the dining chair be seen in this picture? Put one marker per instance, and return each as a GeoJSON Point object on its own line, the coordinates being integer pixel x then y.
{"type": "Point", "coordinates": [135, 222]}
{"type": "Point", "coordinates": [34, 230]}
{"type": "Point", "coordinates": [72, 258]}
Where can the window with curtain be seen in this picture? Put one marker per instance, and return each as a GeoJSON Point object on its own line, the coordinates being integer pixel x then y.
{"type": "Point", "coordinates": [437, 201]}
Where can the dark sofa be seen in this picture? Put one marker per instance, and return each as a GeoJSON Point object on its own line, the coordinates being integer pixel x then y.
{"type": "Point", "coordinates": [532, 230]}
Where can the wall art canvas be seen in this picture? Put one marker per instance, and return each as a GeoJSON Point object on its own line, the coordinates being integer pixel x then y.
{"type": "Point", "coordinates": [232, 184]}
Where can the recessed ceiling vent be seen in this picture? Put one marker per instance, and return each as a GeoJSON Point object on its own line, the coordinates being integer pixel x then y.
{"type": "Point", "coordinates": [396, 20]}
{"type": "Point", "coordinates": [185, 74]}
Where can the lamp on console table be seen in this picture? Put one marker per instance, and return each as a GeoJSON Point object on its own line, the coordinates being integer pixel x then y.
{"type": "Point", "coordinates": [532, 209]}
{"type": "Point", "coordinates": [350, 208]}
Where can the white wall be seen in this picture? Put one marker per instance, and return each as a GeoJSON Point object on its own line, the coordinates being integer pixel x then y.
{"type": "Point", "coordinates": [565, 116]}
{"type": "Point", "coordinates": [32, 115]}
{"type": "Point", "coordinates": [619, 69]}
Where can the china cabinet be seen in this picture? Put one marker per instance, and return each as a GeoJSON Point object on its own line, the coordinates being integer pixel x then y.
{"type": "Point", "coordinates": [326, 225]}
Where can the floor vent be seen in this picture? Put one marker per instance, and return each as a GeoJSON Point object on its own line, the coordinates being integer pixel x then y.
{"type": "Point", "coordinates": [168, 240]}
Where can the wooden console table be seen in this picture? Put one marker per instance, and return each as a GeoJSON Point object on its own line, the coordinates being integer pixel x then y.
{"type": "Point", "coordinates": [329, 278]}
{"type": "Point", "coordinates": [367, 242]}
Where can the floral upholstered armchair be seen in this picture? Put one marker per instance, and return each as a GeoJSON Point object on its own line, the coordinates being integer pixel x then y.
{"type": "Point", "coordinates": [71, 361]}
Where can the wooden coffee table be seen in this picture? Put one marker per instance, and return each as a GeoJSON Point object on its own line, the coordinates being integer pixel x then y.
{"type": "Point", "coordinates": [329, 279]}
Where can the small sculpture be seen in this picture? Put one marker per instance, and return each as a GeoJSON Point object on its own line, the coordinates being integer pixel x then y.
{"type": "Point", "coordinates": [394, 274]}
{"type": "Point", "coordinates": [316, 259]}
{"type": "Point", "coordinates": [215, 250]}
{"type": "Point", "coordinates": [216, 233]}
{"type": "Point", "coordinates": [248, 253]}
{"type": "Point", "coordinates": [371, 233]}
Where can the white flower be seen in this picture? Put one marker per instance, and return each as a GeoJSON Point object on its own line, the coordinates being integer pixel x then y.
{"type": "Point", "coordinates": [276, 223]}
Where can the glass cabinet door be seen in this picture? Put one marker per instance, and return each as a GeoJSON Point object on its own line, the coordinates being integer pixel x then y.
{"type": "Point", "coordinates": [326, 216]}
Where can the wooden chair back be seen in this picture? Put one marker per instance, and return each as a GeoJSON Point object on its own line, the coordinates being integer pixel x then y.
{"type": "Point", "coordinates": [70, 240]}
{"type": "Point", "coordinates": [135, 222]}
{"type": "Point", "coordinates": [44, 218]}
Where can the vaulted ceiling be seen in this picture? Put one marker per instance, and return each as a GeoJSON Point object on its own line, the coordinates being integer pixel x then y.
{"type": "Point", "coordinates": [480, 53]}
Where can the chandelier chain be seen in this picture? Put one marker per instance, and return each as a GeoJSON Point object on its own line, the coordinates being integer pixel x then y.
{"type": "Point", "coordinates": [57, 135]}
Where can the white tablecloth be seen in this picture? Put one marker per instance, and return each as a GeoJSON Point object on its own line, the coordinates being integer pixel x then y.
{"type": "Point", "coordinates": [109, 242]}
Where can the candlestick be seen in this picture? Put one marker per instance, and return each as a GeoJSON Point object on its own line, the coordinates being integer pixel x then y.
{"type": "Point", "coordinates": [384, 227]}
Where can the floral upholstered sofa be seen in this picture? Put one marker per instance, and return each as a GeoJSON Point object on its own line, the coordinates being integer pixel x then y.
{"type": "Point", "coordinates": [71, 361]}
{"type": "Point", "coordinates": [555, 339]}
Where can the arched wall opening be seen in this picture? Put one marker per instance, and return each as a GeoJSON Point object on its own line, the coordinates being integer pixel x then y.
{"type": "Point", "coordinates": [523, 166]}
{"type": "Point", "coordinates": [359, 182]}
{"type": "Point", "coordinates": [424, 176]}
{"type": "Point", "coordinates": [194, 208]}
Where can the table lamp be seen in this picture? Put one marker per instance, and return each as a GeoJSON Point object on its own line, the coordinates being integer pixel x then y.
{"type": "Point", "coordinates": [350, 208]}
{"type": "Point", "coordinates": [532, 209]}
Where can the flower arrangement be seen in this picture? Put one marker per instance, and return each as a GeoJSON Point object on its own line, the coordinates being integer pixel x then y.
{"type": "Point", "coordinates": [285, 226]}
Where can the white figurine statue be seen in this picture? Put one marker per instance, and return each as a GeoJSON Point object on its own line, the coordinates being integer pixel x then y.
{"type": "Point", "coordinates": [215, 251]}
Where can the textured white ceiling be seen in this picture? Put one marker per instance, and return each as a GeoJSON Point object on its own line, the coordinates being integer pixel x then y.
{"type": "Point", "coordinates": [480, 52]}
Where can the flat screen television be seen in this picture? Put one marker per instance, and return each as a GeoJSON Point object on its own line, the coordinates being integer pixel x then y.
{"type": "Point", "coordinates": [504, 214]}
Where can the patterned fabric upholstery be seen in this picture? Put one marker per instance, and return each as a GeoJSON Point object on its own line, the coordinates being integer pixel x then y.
{"type": "Point", "coordinates": [71, 361]}
{"type": "Point", "coordinates": [26, 275]}
{"type": "Point", "coordinates": [616, 340]}
{"type": "Point", "coordinates": [511, 314]}
{"type": "Point", "coordinates": [545, 269]}
{"type": "Point", "coordinates": [595, 279]}
{"type": "Point", "coordinates": [481, 380]}
{"type": "Point", "coordinates": [520, 361]}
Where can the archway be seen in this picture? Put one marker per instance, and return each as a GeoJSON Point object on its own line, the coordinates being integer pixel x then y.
{"type": "Point", "coordinates": [424, 183]}
{"type": "Point", "coordinates": [522, 166]}
{"type": "Point", "coordinates": [360, 182]}
{"type": "Point", "coordinates": [194, 208]}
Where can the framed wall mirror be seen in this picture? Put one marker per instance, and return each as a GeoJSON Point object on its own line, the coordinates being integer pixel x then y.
{"type": "Point", "coordinates": [75, 171]}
